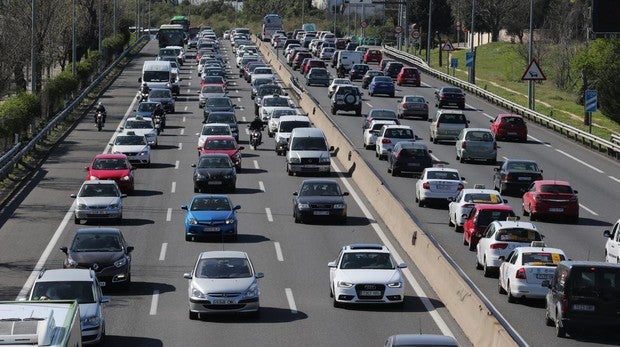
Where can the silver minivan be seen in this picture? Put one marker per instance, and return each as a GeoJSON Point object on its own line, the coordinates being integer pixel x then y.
{"type": "Point", "coordinates": [447, 125]}
{"type": "Point", "coordinates": [308, 152]}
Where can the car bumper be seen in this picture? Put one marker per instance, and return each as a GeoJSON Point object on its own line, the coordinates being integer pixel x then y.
{"type": "Point", "coordinates": [556, 209]}
{"type": "Point", "coordinates": [350, 295]}
{"type": "Point", "coordinates": [470, 155]}
{"type": "Point", "coordinates": [205, 230]}
{"type": "Point", "coordinates": [528, 290]}
{"type": "Point", "coordinates": [139, 159]}
{"type": "Point", "coordinates": [411, 166]}
{"type": "Point", "coordinates": [347, 107]}
{"type": "Point", "coordinates": [98, 214]}
{"type": "Point", "coordinates": [236, 305]}
{"type": "Point", "coordinates": [323, 213]}
{"type": "Point", "coordinates": [214, 183]}
{"type": "Point", "coordinates": [309, 168]}
{"type": "Point", "coordinates": [381, 91]}
{"type": "Point", "coordinates": [91, 335]}
{"type": "Point", "coordinates": [439, 196]}
{"type": "Point", "coordinates": [415, 113]}
{"type": "Point", "coordinates": [447, 136]}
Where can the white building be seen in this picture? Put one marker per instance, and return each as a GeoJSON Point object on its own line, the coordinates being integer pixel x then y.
{"type": "Point", "coordinates": [362, 7]}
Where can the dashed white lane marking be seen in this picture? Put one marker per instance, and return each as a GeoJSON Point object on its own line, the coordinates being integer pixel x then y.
{"type": "Point", "coordinates": [615, 179]}
{"type": "Point", "coordinates": [488, 116]}
{"type": "Point", "coordinates": [244, 119]}
{"type": "Point", "coordinates": [269, 215]}
{"type": "Point", "coordinates": [188, 91]}
{"type": "Point", "coordinates": [182, 131]}
{"type": "Point", "coordinates": [278, 251]}
{"type": "Point", "coordinates": [580, 161]}
{"type": "Point", "coordinates": [180, 146]}
{"type": "Point", "coordinates": [589, 210]}
{"type": "Point", "coordinates": [369, 105]}
{"type": "Point", "coordinates": [173, 188]}
{"type": "Point", "coordinates": [169, 215]}
{"type": "Point", "coordinates": [184, 118]}
{"type": "Point", "coordinates": [162, 253]}
{"type": "Point", "coordinates": [154, 302]}
{"type": "Point", "coordinates": [539, 141]}
{"type": "Point", "coordinates": [435, 157]}
{"type": "Point", "coordinates": [256, 165]}
{"type": "Point", "coordinates": [176, 165]}
{"type": "Point", "coordinates": [291, 300]}
{"type": "Point", "coordinates": [261, 186]}
{"type": "Point", "coordinates": [185, 108]}
{"type": "Point", "coordinates": [247, 132]}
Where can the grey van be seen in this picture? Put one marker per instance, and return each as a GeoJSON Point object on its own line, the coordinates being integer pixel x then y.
{"type": "Point", "coordinates": [308, 152]}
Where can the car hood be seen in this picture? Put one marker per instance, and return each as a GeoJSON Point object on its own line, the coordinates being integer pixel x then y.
{"type": "Point", "coordinates": [161, 99]}
{"type": "Point", "coordinates": [308, 154]}
{"type": "Point", "coordinates": [206, 216]}
{"type": "Point", "coordinates": [109, 174]}
{"type": "Point", "coordinates": [96, 200]}
{"type": "Point", "coordinates": [96, 257]}
{"type": "Point", "coordinates": [208, 172]}
{"type": "Point", "coordinates": [320, 199]}
{"type": "Point", "coordinates": [223, 285]}
{"type": "Point", "coordinates": [211, 95]}
{"type": "Point", "coordinates": [282, 136]}
{"type": "Point", "coordinates": [369, 276]}
{"type": "Point", "coordinates": [157, 85]}
{"type": "Point", "coordinates": [219, 108]}
{"type": "Point", "coordinates": [128, 148]}
{"type": "Point", "coordinates": [144, 114]}
{"type": "Point", "coordinates": [229, 152]}
{"type": "Point", "coordinates": [144, 131]}
{"type": "Point", "coordinates": [89, 310]}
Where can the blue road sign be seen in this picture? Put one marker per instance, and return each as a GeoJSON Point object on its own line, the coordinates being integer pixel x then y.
{"type": "Point", "coordinates": [469, 59]}
{"type": "Point", "coordinates": [591, 100]}
{"type": "Point", "coordinates": [454, 63]}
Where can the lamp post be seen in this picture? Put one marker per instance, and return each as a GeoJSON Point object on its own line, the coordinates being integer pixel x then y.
{"type": "Point", "coordinates": [472, 68]}
{"type": "Point", "coordinates": [530, 84]}
{"type": "Point", "coordinates": [73, 43]}
{"type": "Point", "coordinates": [429, 31]}
{"type": "Point", "coordinates": [33, 52]}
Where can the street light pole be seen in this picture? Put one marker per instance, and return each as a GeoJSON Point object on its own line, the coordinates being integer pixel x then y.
{"type": "Point", "coordinates": [472, 68]}
{"type": "Point", "coordinates": [33, 52]}
{"type": "Point", "coordinates": [113, 20]}
{"type": "Point", "coordinates": [73, 43]}
{"type": "Point", "coordinates": [428, 36]}
{"type": "Point", "coordinates": [530, 84]}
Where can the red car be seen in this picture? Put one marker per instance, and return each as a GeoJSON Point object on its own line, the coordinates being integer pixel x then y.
{"type": "Point", "coordinates": [509, 126]}
{"type": "Point", "coordinates": [313, 63]}
{"type": "Point", "coordinates": [551, 198]}
{"type": "Point", "coordinates": [480, 216]}
{"type": "Point", "coordinates": [112, 167]}
{"type": "Point", "coordinates": [299, 58]}
{"type": "Point", "coordinates": [372, 55]}
{"type": "Point", "coordinates": [217, 80]}
{"type": "Point", "coordinates": [408, 75]}
{"type": "Point", "coordinates": [222, 144]}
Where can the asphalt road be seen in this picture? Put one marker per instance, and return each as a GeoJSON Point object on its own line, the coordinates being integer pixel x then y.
{"type": "Point", "coordinates": [296, 308]}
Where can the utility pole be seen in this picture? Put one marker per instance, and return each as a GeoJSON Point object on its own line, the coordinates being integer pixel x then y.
{"type": "Point", "coordinates": [99, 24]}
{"type": "Point", "coordinates": [114, 19]}
{"type": "Point", "coordinates": [33, 52]}
{"type": "Point", "coordinates": [73, 43]}
{"type": "Point", "coordinates": [428, 36]}
{"type": "Point", "coordinates": [530, 84]}
{"type": "Point", "coordinates": [472, 68]}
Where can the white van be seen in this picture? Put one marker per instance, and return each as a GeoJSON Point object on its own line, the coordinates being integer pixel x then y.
{"type": "Point", "coordinates": [308, 152]}
{"type": "Point", "coordinates": [285, 127]}
{"type": "Point", "coordinates": [158, 74]}
{"type": "Point", "coordinates": [348, 58]}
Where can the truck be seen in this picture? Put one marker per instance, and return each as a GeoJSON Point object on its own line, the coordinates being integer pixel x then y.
{"type": "Point", "coordinates": [271, 24]}
{"type": "Point", "coordinates": [346, 59]}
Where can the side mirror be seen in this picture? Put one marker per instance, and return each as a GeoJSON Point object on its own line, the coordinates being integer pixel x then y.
{"type": "Point", "coordinates": [574, 191]}
{"type": "Point", "coordinates": [345, 194]}
{"type": "Point", "coordinates": [130, 249]}
{"type": "Point", "coordinates": [501, 258]}
{"type": "Point", "coordinates": [64, 249]}
{"type": "Point", "coordinates": [104, 299]}
{"type": "Point", "coordinates": [451, 199]}
{"type": "Point", "coordinates": [139, 79]}
{"type": "Point", "coordinates": [187, 275]}
{"type": "Point", "coordinates": [73, 196]}
{"type": "Point", "coordinates": [607, 233]}
{"type": "Point", "coordinates": [295, 193]}
{"type": "Point", "coordinates": [402, 265]}
{"type": "Point", "coordinates": [184, 207]}
{"type": "Point", "coordinates": [505, 201]}
{"type": "Point", "coordinates": [241, 148]}
{"type": "Point", "coordinates": [496, 169]}
{"type": "Point", "coordinates": [123, 196]}
{"type": "Point", "coordinates": [490, 121]}
{"type": "Point", "coordinates": [430, 151]}
{"type": "Point", "coordinates": [331, 264]}
{"type": "Point", "coordinates": [237, 207]}
{"type": "Point", "coordinates": [193, 165]}
{"type": "Point", "coordinates": [464, 216]}
{"type": "Point", "coordinates": [259, 275]}
{"type": "Point", "coordinates": [86, 168]}
{"type": "Point", "coordinates": [430, 120]}
{"type": "Point", "coordinates": [463, 178]}
{"type": "Point", "coordinates": [331, 149]}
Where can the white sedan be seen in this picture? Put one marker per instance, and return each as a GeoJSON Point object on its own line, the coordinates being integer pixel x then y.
{"type": "Point", "coordinates": [527, 271]}
{"type": "Point", "coordinates": [335, 83]}
{"type": "Point", "coordinates": [366, 273]}
{"type": "Point", "coordinates": [467, 198]}
{"type": "Point", "coordinates": [212, 129]}
{"type": "Point", "coordinates": [371, 133]}
{"type": "Point", "coordinates": [439, 184]}
{"type": "Point", "coordinates": [390, 135]}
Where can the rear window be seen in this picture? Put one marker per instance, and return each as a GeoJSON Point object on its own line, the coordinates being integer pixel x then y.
{"type": "Point", "coordinates": [541, 258]}
{"type": "Point", "coordinates": [399, 133]}
{"type": "Point", "coordinates": [452, 118]}
{"type": "Point", "coordinates": [443, 175]}
{"type": "Point", "coordinates": [596, 282]}
{"type": "Point", "coordinates": [481, 136]}
{"type": "Point", "coordinates": [556, 189]}
{"type": "Point", "coordinates": [412, 152]}
{"type": "Point", "coordinates": [512, 120]}
{"type": "Point", "coordinates": [287, 127]}
{"type": "Point", "coordinates": [415, 99]}
{"type": "Point", "coordinates": [486, 217]}
{"type": "Point", "coordinates": [483, 198]}
{"type": "Point", "coordinates": [517, 235]}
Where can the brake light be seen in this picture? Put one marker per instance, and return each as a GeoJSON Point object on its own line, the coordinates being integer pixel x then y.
{"type": "Point", "coordinates": [461, 186]}
{"type": "Point", "coordinates": [404, 105]}
{"type": "Point", "coordinates": [507, 177]}
{"type": "Point", "coordinates": [521, 274]}
{"type": "Point", "coordinates": [499, 246]}
{"type": "Point", "coordinates": [386, 141]}
{"type": "Point", "coordinates": [426, 185]}
{"type": "Point", "coordinates": [463, 144]}
{"type": "Point", "coordinates": [563, 303]}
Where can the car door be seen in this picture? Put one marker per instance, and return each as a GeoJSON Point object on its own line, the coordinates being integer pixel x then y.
{"type": "Point", "coordinates": [527, 197]}
{"type": "Point", "coordinates": [454, 204]}
{"type": "Point", "coordinates": [613, 245]}
{"type": "Point", "coordinates": [484, 242]}
{"type": "Point", "coordinates": [507, 267]}
{"type": "Point", "coordinates": [332, 270]}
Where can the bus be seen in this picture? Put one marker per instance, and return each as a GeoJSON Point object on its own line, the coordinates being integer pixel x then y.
{"type": "Point", "coordinates": [271, 23]}
{"type": "Point", "coordinates": [171, 35]}
{"type": "Point", "coordinates": [182, 20]}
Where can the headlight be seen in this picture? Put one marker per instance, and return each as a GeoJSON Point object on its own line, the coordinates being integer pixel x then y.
{"type": "Point", "coordinates": [252, 292]}
{"type": "Point", "coordinates": [121, 262]}
{"type": "Point", "coordinates": [113, 205]}
{"type": "Point", "coordinates": [95, 320]}
{"type": "Point", "coordinates": [324, 160]}
{"type": "Point", "coordinates": [227, 176]}
{"type": "Point", "coordinates": [343, 284]}
{"type": "Point", "coordinates": [193, 221]}
{"type": "Point", "coordinates": [295, 160]}
{"type": "Point", "coordinates": [230, 221]}
{"type": "Point", "coordinates": [82, 206]}
{"type": "Point", "coordinates": [143, 153]}
{"type": "Point", "coordinates": [303, 206]}
{"type": "Point", "coordinates": [198, 294]}
{"type": "Point", "coordinates": [340, 206]}
{"type": "Point", "coordinates": [237, 156]}
{"type": "Point", "coordinates": [199, 176]}
{"type": "Point", "coordinates": [125, 178]}
{"type": "Point", "coordinates": [93, 178]}
{"type": "Point", "coordinates": [395, 285]}
{"type": "Point", "coordinates": [71, 263]}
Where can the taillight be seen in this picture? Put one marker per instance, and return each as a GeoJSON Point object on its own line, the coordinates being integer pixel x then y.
{"type": "Point", "coordinates": [404, 105]}
{"type": "Point", "coordinates": [463, 144]}
{"type": "Point", "coordinates": [564, 303]}
{"type": "Point", "coordinates": [386, 141]}
{"type": "Point", "coordinates": [425, 106]}
{"type": "Point", "coordinates": [499, 246]}
{"type": "Point", "coordinates": [535, 196]}
{"type": "Point", "coordinates": [521, 274]}
{"type": "Point", "coordinates": [508, 177]}
{"type": "Point", "coordinates": [426, 185]}
{"type": "Point", "coordinates": [572, 198]}
{"type": "Point", "coordinates": [461, 186]}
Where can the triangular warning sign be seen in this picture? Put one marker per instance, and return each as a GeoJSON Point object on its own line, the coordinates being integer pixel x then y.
{"type": "Point", "coordinates": [533, 72]}
{"type": "Point", "coordinates": [447, 46]}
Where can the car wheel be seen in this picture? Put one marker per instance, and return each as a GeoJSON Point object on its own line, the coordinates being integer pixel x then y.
{"type": "Point", "coordinates": [533, 217]}
{"type": "Point", "coordinates": [450, 224]}
{"type": "Point", "coordinates": [548, 320]}
{"type": "Point", "coordinates": [288, 171]}
{"type": "Point", "coordinates": [500, 289]}
{"type": "Point", "coordinates": [336, 303]}
{"type": "Point", "coordinates": [421, 203]}
{"type": "Point", "coordinates": [457, 228]}
{"type": "Point", "coordinates": [333, 111]}
{"type": "Point", "coordinates": [76, 220]}
{"type": "Point", "coordinates": [358, 112]}
{"type": "Point", "coordinates": [196, 190]}
{"type": "Point", "coordinates": [525, 213]}
{"type": "Point", "coordinates": [485, 269]}
{"type": "Point", "coordinates": [575, 220]}
{"type": "Point", "coordinates": [560, 331]}
{"type": "Point", "coordinates": [511, 299]}
{"type": "Point", "coordinates": [343, 220]}
{"type": "Point", "coordinates": [119, 220]}
{"type": "Point", "coordinates": [434, 139]}
{"type": "Point", "coordinates": [193, 315]}
{"type": "Point", "coordinates": [392, 95]}
{"type": "Point", "coordinates": [296, 217]}
{"type": "Point", "coordinates": [471, 245]}
{"type": "Point", "coordinates": [478, 265]}
{"type": "Point", "coordinates": [188, 238]}
{"type": "Point", "coordinates": [461, 159]}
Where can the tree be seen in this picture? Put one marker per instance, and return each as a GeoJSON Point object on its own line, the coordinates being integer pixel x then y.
{"type": "Point", "coordinates": [442, 19]}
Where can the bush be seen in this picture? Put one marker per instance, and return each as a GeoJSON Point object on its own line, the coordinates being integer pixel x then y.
{"type": "Point", "coordinates": [17, 112]}
{"type": "Point", "coordinates": [59, 89]}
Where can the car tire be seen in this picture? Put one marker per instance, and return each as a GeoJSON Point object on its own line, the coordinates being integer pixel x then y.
{"type": "Point", "coordinates": [560, 331]}
{"type": "Point", "coordinates": [392, 95]}
{"type": "Point", "coordinates": [471, 245]}
{"type": "Point", "coordinates": [462, 106]}
{"type": "Point", "coordinates": [188, 238]}
{"type": "Point", "coordinates": [461, 159]}
{"type": "Point", "coordinates": [485, 269]}
{"type": "Point", "coordinates": [76, 220]}
{"type": "Point", "coordinates": [333, 111]}
{"type": "Point", "coordinates": [450, 224]}
{"type": "Point", "coordinates": [296, 217]}
{"type": "Point", "coordinates": [574, 220]}
{"type": "Point", "coordinates": [548, 321]}
{"type": "Point", "coordinates": [358, 112]}
{"type": "Point", "coordinates": [196, 190]}
{"type": "Point", "coordinates": [193, 315]}
{"type": "Point", "coordinates": [525, 213]}
{"type": "Point", "coordinates": [533, 217]}
{"type": "Point", "coordinates": [478, 265]}
{"type": "Point", "coordinates": [511, 298]}
{"type": "Point", "coordinates": [500, 289]}
{"type": "Point", "coordinates": [288, 171]}
{"type": "Point", "coordinates": [370, 93]}
{"type": "Point", "coordinates": [337, 304]}
{"type": "Point", "coordinates": [434, 139]}
{"type": "Point", "coordinates": [395, 173]}
{"type": "Point", "coordinates": [421, 203]}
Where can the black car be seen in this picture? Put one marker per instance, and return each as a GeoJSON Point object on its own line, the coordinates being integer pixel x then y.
{"type": "Point", "coordinates": [218, 104]}
{"type": "Point", "coordinates": [368, 76]}
{"type": "Point", "coordinates": [516, 175]}
{"type": "Point", "coordinates": [447, 96]}
{"type": "Point", "coordinates": [393, 68]}
{"type": "Point", "coordinates": [319, 198]}
{"type": "Point", "coordinates": [226, 118]}
{"type": "Point", "coordinates": [105, 251]}
{"type": "Point", "coordinates": [409, 157]}
{"type": "Point", "coordinates": [358, 71]}
{"type": "Point", "coordinates": [214, 170]}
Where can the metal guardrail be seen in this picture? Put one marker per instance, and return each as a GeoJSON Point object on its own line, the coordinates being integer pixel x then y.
{"type": "Point", "coordinates": [615, 138]}
{"type": "Point", "coordinates": [18, 154]}
{"type": "Point", "coordinates": [610, 147]}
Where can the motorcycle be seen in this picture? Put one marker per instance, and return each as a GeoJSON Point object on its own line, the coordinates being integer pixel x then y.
{"type": "Point", "coordinates": [256, 138]}
{"type": "Point", "coordinates": [142, 96]}
{"type": "Point", "coordinates": [341, 72]}
{"type": "Point", "coordinates": [159, 124]}
{"type": "Point", "coordinates": [99, 120]}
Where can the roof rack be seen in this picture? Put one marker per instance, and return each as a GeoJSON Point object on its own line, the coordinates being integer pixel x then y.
{"type": "Point", "coordinates": [538, 244]}
{"type": "Point", "coordinates": [366, 246]}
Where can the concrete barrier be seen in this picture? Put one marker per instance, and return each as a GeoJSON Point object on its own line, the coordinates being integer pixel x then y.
{"type": "Point", "coordinates": [475, 317]}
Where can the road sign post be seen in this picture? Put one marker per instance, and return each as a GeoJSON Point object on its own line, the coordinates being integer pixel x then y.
{"type": "Point", "coordinates": [590, 104]}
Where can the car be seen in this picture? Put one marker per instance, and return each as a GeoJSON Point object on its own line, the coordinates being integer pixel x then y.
{"type": "Point", "coordinates": [369, 75]}
{"type": "Point", "coordinates": [142, 126]}
{"type": "Point", "coordinates": [248, 70]}
{"type": "Point", "coordinates": [372, 131]}
{"type": "Point", "coordinates": [214, 170]}
{"type": "Point", "coordinates": [209, 91]}
{"type": "Point", "coordinates": [460, 206]}
{"type": "Point", "coordinates": [479, 217]}
{"type": "Point", "coordinates": [318, 75]}
{"type": "Point", "coordinates": [82, 286]}
{"type": "Point", "coordinates": [164, 97]}
{"type": "Point", "coordinates": [274, 118]}
{"type": "Point", "coordinates": [447, 125]}
{"type": "Point", "coordinates": [285, 127]}
{"type": "Point", "coordinates": [112, 167]}
{"type": "Point", "coordinates": [327, 53]}
{"type": "Point", "coordinates": [551, 198]}
{"type": "Point", "coordinates": [393, 68]}
{"type": "Point", "coordinates": [105, 251]}
{"type": "Point", "coordinates": [358, 71]}
{"type": "Point", "coordinates": [217, 80]}
{"type": "Point", "coordinates": [223, 144]}
{"type": "Point", "coordinates": [366, 274]}
{"type": "Point", "coordinates": [421, 340]}
{"type": "Point", "coordinates": [413, 106]}
{"type": "Point", "coordinates": [384, 61]}
{"type": "Point", "coordinates": [527, 272]}
{"type": "Point", "coordinates": [476, 144]}
{"type": "Point", "coordinates": [447, 96]}
{"type": "Point", "coordinates": [516, 175]}
{"type": "Point", "coordinates": [319, 198]}
{"type": "Point", "coordinates": [389, 135]}
{"type": "Point", "coordinates": [257, 82]}
{"type": "Point", "coordinates": [409, 157]}
{"type": "Point", "coordinates": [499, 239]}
{"type": "Point", "coordinates": [335, 83]}
{"type": "Point", "coordinates": [438, 184]}
{"type": "Point", "coordinates": [145, 109]}
{"type": "Point", "coordinates": [262, 72]}
{"type": "Point", "coordinates": [372, 56]}
{"type": "Point", "coordinates": [381, 85]}
{"type": "Point", "coordinates": [313, 63]}
{"type": "Point", "coordinates": [380, 114]}
{"type": "Point", "coordinates": [210, 215]}
{"type": "Point", "coordinates": [408, 75]}
{"type": "Point", "coordinates": [223, 282]}
{"type": "Point", "coordinates": [134, 146]}
{"type": "Point", "coordinates": [346, 98]}
{"type": "Point", "coordinates": [218, 104]}
{"type": "Point", "coordinates": [612, 246]}
{"type": "Point", "coordinates": [224, 118]}
{"type": "Point", "coordinates": [509, 126]}
{"type": "Point", "coordinates": [264, 90]}
{"type": "Point", "coordinates": [269, 102]}
{"type": "Point", "coordinates": [298, 59]}
{"type": "Point", "coordinates": [213, 129]}
{"type": "Point", "coordinates": [98, 200]}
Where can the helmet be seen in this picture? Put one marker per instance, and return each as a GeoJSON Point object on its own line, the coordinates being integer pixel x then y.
{"type": "Point", "coordinates": [144, 84]}
{"type": "Point", "coordinates": [100, 103]}
{"type": "Point", "coordinates": [256, 117]}
{"type": "Point", "coordinates": [158, 106]}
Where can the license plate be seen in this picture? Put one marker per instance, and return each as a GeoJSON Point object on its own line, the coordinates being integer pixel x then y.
{"type": "Point", "coordinates": [556, 209]}
{"type": "Point", "coordinates": [413, 164]}
{"type": "Point", "coordinates": [101, 284]}
{"type": "Point", "coordinates": [214, 182]}
{"type": "Point", "coordinates": [321, 213]}
{"type": "Point", "coordinates": [579, 307]}
{"type": "Point", "coordinates": [443, 187]}
{"type": "Point", "coordinates": [544, 276]}
{"type": "Point", "coordinates": [211, 229]}
{"type": "Point", "coordinates": [96, 212]}
{"type": "Point", "coordinates": [222, 302]}
{"type": "Point", "coordinates": [512, 133]}
{"type": "Point", "coordinates": [524, 178]}
{"type": "Point", "coordinates": [370, 293]}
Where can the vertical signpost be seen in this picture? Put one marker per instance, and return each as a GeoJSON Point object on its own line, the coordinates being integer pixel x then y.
{"type": "Point", "coordinates": [590, 103]}
{"type": "Point", "coordinates": [533, 73]}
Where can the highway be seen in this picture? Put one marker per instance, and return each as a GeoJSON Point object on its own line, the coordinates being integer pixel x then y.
{"type": "Point", "coordinates": [296, 307]}
{"type": "Point", "coordinates": [596, 178]}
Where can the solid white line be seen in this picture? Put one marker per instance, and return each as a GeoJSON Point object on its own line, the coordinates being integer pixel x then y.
{"type": "Point", "coordinates": [154, 302]}
{"type": "Point", "coordinates": [256, 165]}
{"type": "Point", "coordinates": [180, 146]}
{"type": "Point", "coordinates": [486, 115]}
{"type": "Point", "coordinates": [269, 215]}
{"type": "Point", "coordinates": [537, 140]}
{"type": "Point", "coordinates": [182, 131]}
{"type": "Point", "coordinates": [261, 186]}
{"type": "Point", "coordinates": [580, 161]}
{"type": "Point", "coordinates": [435, 157]}
{"type": "Point", "coordinates": [168, 215]}
{"type": "Point", "coordinates": [615, 179]}
{"type": "Point", "coordinates": [443, 327]}
{"type": "Point", "coordinates": [278, 251]}
{"type": "Point", "coordinates": [184, 118]}
{"type": "Point", "coordinates": [173, 188]}
{"type": "Point", "coordinates": [291, 300]}
{"type": "Point", "coordinates": [176, 165]}
{"type": "Point", "coordinates": [162, 253]}
{"type": "Point", "coordinates": [587, 209]}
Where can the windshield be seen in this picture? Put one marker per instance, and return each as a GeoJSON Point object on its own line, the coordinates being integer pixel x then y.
{"type": "Point", "coordinates": [269, 90]}
{"type": "Point", "coordinates": [220, 144]}
{"type": "Point", "coordinates": [110, 164]}
{"type": "Point", "coordinates": [382, 114]}
{"type": "Point", "coordinates": [146, 106]}
{"type": "Point", "coordinates": [309, 144]}
{"type": "Point", "coordinates": [275, 102]}
{"type": "Point", "coordinates": [83, 292]}
{"type": "Point", "coordinates": [280, 113]}
{"type": "Point", "coordinates": [415, 100]}
{"type": "Point", "coordinates": [138, 124]}
{"type": "Point", "coordinates": [215, 162]}
{"type": "Point", "coordinates": [160, 93]}
{"type": "Point", "coordinates": [320, 189]}
{"type": "Point", "coordinates": [221, 118]}
{"type": "Point", "coordinates": [210, 204]}
{"type": "Point", "coordinates": [156, 76]}
{"type": "Point", "coordinates": [130, 140]}
{"type": "Point", "coordinates": [223, 268]}
{"type": "Point", "coordinates": [263, 71]}
{"type": "Point", "coordinates": [412, 152]}
{"type": "Point", "coordinates": [556, 189]}
{"type": "Point", "coordinates": [367, 260]}
{"type": "Point", "coordinates": [87, 242]}
{"type": "Point", "coordinates": [443, 175]}
{"type": "Point", "coordinates": [219, 102]}
{"type": "Point", "coordinates": [287, 127]}
{"type": "Point", "coordinates": [213, 79]}
{"type": "Point", "coordinates": [382, 79]}
{"type": "Point", "coordinates": [98, 190]}
{"type": "Point", "coordinates": [318, 72]}
{"type": "Point", "coordinates": [212, 90]}
{"type": "Point", "coordinates": [593, 281]}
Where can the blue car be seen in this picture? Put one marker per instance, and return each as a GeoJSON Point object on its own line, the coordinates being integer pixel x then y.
{"type": "Point", "coordinates": [381, 85]}
{"type": "Point", "coordinates": [145, 109]}
{"type": "Point", "coordinates": [210, 215]}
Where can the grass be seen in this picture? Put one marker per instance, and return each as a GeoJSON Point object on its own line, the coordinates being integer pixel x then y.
{"type": "Point", "coordinates": [499, 68]}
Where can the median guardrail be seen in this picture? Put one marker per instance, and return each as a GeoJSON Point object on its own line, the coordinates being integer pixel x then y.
{"type": "Point", "coordinates": [598, 143]}
{"type": "Point", "coordinates": [615, 139]}
{"type": "Point", "coordinates": [20, 152]}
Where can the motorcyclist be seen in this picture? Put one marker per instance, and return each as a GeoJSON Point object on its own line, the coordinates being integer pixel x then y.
{"type": "Point", "coordinates": [342, 71]}
{"type": "Point", "coordinates": [100, 108]}
{"type": "Point", "coordinates": [159, 112]}
{"type": "Point", "coordinates": [257, 124]}
{"type": "Point", "coordinates": [145, 89]}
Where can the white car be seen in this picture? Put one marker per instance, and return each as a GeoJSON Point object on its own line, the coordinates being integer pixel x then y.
{"type": "Point", "coordinates": [268, 102]}
{"type": "Point", "coordinates": [98, 200]}
{"type": "Point", "coordinates": [438, 183]}
{"type": "Point", "coordinates": [337, 82]}
{"type": "Point", "coordinates": [274, 118]}
{"type": "Point", "coordinates": [212, 129]}
{"type": "Point", "coordinates": [223, 282]}
{"type": "Point", "coordinates": [371, 133]}
{"type": "Point", "coordinates": [612, 246]}
{"type": "Point", "coordinates": [499, 239]}
{"type": "Point", "coordinates": [366, 273]}
{"type": "Point", "coordinates": [467, 198]}
{"type": "Point", "coordinates": [142, 126]}
{"type": "Point", "coordinates": [134, 146]}
{"type": "Point", "coordinates": [262, 72]}
{"type": "Point", "coordinates": [389, 135]}
{"type": "Point", "coordinates": [527, 271]}
{"type": "Point", "coordinates": [285, 127]}
{"type": "Point", "coordinates": [327, 53]}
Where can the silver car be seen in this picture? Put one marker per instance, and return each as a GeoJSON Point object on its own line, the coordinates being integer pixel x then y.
{"type": "Point", "coordinates": [223, 282]}
{"type": "Point", "coordinates": [476, 144]}
{"type": "Point", "coordinates": [98, 200]}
